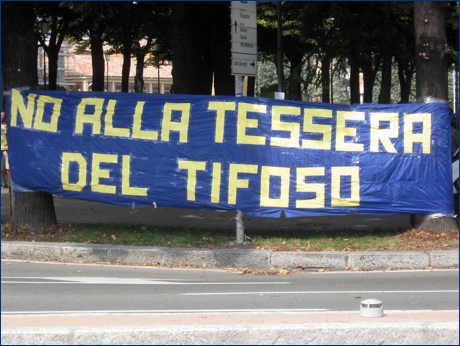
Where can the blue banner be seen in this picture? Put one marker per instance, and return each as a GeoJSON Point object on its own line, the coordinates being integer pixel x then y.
{"type": "Point", "coordinates": [259, 156]}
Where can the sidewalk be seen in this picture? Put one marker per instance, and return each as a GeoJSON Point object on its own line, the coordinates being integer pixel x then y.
{"type": "Point", "coordinates": [396, 327]}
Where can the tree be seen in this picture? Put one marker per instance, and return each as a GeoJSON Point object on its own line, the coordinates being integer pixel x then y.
{"type": "Point", "coordinates": [298, 44]}
{"type": "Point", "coordinates": [405, 47]}
{"type": "Point", "coordinates": [92, 17]}
{"type": "Point", "coordinates": [431, 56]}
{"type": "Point", "coordinates": [58, 15]}
{"type": "Point", "coordinates": [201, 48]}
{"type": "Point", "coordinates": [155, 22]}
{"type": "Point", "coordinates": [387, 55]}
{"type": "Point", "coordinates": [31, 210]}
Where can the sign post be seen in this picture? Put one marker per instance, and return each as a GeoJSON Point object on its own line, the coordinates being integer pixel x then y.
{"type": "Point", "coordinates": [244, 62]}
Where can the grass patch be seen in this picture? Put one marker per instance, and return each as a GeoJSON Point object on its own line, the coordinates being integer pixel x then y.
{"type": "Point", "coordinates": [293, 240]}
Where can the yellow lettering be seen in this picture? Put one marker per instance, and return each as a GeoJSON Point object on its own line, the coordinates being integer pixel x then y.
{"type": "Point", "coordinates": [126, 189]}
{"type": "Point", "coordinates": [383, 136]}
{"type": "Point", "coordinates": [234, 183]}
{"type": "Point", "coordinates": [336, 174]}
{"type": "Point", "coordinates": [221, 108]}
{"type": "Point", "coordinates": [344, 131]}
{"type": "Point", "coordinates": [19, 108]}
{"type": "Point", "coordinates": [137, 124]}
{"type": "Point", "coordinates": [93, 118]}
{"type": "Point", "coordinates": [192, 167]}
{"type": "Point", "coordinates": [99, 173]}
{"type": "Point", "coordinates": [293, 128]}
{"type": "Point", "coordinates": [216, 178]}
{"type": "Point", "coordinates": [109, 130]}
{"type": "Point", "coordinates": [324, 130]}
{"type": "Point", "coordinates": [424, 137]}
{"type": "Point", "coordinates": [168, 125]}
{"type": "Point", "coordinates": [78, 158]}
{"type": "Point", "coordinates": [38, 121]}
{"type": "Point", "coordinates": [244, 123]}
{"type": "Point", "coordinates": [317, 189]}
{"type": "Point", "coordinates": [265, 199]}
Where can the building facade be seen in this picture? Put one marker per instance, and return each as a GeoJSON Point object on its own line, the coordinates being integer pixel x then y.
{"type": "Point", "coordinates": [75, 72]}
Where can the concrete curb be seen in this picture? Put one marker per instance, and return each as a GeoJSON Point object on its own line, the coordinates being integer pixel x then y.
{"type": "Point", "coordinates": [425, 333]}
{"type": "Point", "coordinates": [222, 258]}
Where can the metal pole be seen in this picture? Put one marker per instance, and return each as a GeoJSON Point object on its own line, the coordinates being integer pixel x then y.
{"type": "Point", "coordinates": [239, 214]}
{"type": "Point", "coordinates": [454, 92]}
{"type": "Point", "coordinates": [158, 59]}
{"type": "Point", "coordinates": [280, 47]}
{"type": "Point", "coordinates": [44, 68]}
{"type": "Point", "coordinates": [332, 81]}
{"type": "Point", "coordinates": [107, 76]}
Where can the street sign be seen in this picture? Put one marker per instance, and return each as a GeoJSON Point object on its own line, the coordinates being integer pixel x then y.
{"type": "Point", "coordinates": [244, 64]}
{"type": "Point", "coordinates": [244, 38]}
{"type": "Point", "coordinates": [245, 5]}
{"type": "Point", "coordinates": [245, 18]}
{"type": "Point", "coordinates": [244, 48]}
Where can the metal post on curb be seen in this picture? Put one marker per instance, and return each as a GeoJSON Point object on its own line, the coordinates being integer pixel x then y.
{"type": "Point", "coordinates": [239, 214]}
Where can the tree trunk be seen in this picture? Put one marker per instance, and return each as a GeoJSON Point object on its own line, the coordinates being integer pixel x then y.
{"type": "Point", "coordinates": [293, 85]}
{"type": "Point", "coordinates": [251, 86]}
{"type": "Point", "coordinates": [19, 59]}
{"type": "Point", "coordinates": [139, 78]}
{"type": "Point", "coordinates": [369, 73]}
{"type": "Point", "coordinates": [190, 74]}
{"type": "Point", "coordinates": [125, 70]}
{"type": "Point", "coordinates": [218, 24]}
{"type": "Point", "coordinates": [385, 86]}
{"type": "Point", "coordinates": [431, 79]}
{"type": "Point", "coordinates": [405, 74]}
{"type": "Point", "coordinates": [97, 57]}
{"type": "Point", "coordinates": [354, 82]}
{"type": "Point", "coordinates": [325, 78]}
{"type": "Point", "coordinates": [31, 210]}
{"type": "Point", "coordinates": [386, 50]}
{"type": "Point", "coordinates": [430, 50]}
{"type": "Point", "coordinates": [53, 56]}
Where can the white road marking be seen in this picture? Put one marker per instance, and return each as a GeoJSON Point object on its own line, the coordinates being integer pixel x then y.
{"type": "Point", "coordinates": [113, 312]}
{"type": "Point", "coordinates": [121, 281]}
{"type": "Point", "coordinates": [315, 292]}
{"type": "Point", "coordinates": [217, 311]}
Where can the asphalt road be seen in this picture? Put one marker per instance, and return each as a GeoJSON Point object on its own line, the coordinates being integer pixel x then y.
{"type": "Point", "coordinates": [29, 287]}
